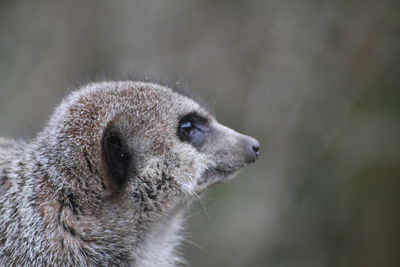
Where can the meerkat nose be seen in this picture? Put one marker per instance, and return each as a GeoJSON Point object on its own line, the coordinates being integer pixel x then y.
{"type": "Point", "coordinates": [253, 148]}
{"type": "Point", "coordinates": [256, 148]}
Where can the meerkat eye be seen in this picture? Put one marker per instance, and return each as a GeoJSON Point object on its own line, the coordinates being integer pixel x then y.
{"type": "Point", "coordinates": [193, 129]}
{"type": "Point", "coordinates": [186, 125]}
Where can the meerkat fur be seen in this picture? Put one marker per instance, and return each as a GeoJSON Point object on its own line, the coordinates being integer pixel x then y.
{"type": "Point", "coordinates": [107, 180]}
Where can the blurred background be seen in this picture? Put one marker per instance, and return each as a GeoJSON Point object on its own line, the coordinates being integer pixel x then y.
{"type": "Point", "coordinates": [317, 82]}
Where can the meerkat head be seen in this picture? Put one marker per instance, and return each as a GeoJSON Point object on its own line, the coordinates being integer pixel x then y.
{"type": "Point", "coordinates": [139, 140]}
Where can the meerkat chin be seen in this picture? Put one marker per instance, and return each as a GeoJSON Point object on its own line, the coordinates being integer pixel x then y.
{"type": "Point", "coordinates": [106, 182]}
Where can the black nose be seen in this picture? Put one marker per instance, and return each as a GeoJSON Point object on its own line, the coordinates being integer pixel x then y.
{"type": "Point", "coordinates": [256, 149]}
{"type": "Point", "coordinates": [253, 148]}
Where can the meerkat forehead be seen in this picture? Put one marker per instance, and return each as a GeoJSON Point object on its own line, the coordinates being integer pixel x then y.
{"type": "Point", "coordinates": [119, 97]}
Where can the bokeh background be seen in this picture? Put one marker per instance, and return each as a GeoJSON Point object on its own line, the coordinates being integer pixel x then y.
{"type": "Point", "coordinates": [317, 82]}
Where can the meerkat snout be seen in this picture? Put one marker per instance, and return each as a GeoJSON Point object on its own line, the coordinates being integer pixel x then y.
{"type": "Point", "coordinates": [253, 146]}
{"type": "Point", "coordinates": [108, 179]}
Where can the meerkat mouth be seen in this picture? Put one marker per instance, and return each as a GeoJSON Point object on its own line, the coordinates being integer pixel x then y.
{"type": "Point", "coordinates": [214, 176]}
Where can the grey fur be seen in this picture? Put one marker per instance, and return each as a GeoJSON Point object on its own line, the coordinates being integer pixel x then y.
{"type": "Point", "coordinates": [58, 203]}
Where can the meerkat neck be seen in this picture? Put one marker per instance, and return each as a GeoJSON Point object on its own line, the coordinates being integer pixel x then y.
{"type": "Point", "coordinates": [161, 242]}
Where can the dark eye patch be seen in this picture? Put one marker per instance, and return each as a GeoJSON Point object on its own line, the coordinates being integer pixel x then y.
{"type": "Point", "coordinates": [193, 129]}
{"type": "Point", "coordinates": [120, 160]}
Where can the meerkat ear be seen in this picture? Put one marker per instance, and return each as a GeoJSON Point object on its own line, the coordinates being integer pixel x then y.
{"type": "Point", "coordinates": [120, 160]}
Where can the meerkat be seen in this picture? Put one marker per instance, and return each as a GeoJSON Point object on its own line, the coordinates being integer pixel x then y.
{"type": "Point", "coordinates": [107, 180]}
